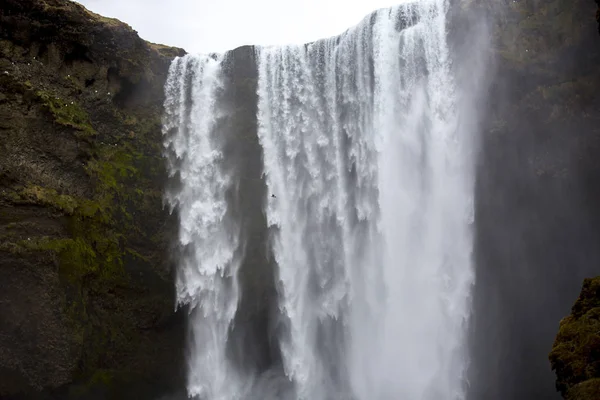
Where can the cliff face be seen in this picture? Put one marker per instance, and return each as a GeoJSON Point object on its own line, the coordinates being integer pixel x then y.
{"type": "Point", "coordinates": [87, 299]}
{"type": "Point", "coordinates": [250, 343]}
{"type": "Point", "coordinates": [538, 174]}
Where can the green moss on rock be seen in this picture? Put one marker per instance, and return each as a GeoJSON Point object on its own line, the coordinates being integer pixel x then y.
{"type": "Point", "coordinates": [49, 197]}
{"type": "Point", "coordinates": [575, 356]}
{"type": "Point", "coordinates": [588, 390]}
{"type": "Point", "coordinates": [67, 113]}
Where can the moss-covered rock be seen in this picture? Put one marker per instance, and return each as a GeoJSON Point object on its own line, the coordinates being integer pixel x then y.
{"type": "Point", "coordinates": [588, 390]}
{"type": "Point", "coordinates": [575, 355]}
{"type": "Point", "coordinates": [66, 113]}
{"type": "Point", "coordinates": [83, 234]}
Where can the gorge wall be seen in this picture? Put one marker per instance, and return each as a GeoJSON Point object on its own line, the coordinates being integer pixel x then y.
{"type": "Point", "coordinates": [87, 301]}
{"type": "Point", "coordinates": [86, 280]}
{"type": "Point", "coordinates": [537, 193]}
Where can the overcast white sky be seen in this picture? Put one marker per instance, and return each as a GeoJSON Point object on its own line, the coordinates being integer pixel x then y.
{"type": "Point", "coordinates": [219, 25]}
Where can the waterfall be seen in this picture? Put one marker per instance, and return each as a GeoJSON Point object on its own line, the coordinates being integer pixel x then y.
{"type": "Point", "coordinates": [373, 207]}
{"type": "Point", "coordinates": [369, 211]}
{"type": "Point", "coordinates": [208, 236]}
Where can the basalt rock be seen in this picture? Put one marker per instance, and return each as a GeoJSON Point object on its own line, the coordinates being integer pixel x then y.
{"type": "Point", "coordinates": [86, 298]}
{"type": "Point", "coordinates": [536, 196]}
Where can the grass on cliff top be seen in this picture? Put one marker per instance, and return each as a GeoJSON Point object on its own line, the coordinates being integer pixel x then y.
{"type": "Point", "coordinates": [75, 8]}
{"type": "Point", "coordinates": [167, 51]}
{"type": "Point", "coordinates": [111, 22]}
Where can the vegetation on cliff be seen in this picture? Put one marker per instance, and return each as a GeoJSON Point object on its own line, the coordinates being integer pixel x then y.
{"type": "Point", "coordinates": [83, 235]}
{"type": "Point", "coordinates": [575, 355]}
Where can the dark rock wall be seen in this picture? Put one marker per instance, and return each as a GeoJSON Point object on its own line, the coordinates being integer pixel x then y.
{"type": "Point", "coordinates": [537, 192]}
{"type": "Point", "coordinates": [250, 342]}
{"type": "Point", "coordinates": [86, 298]}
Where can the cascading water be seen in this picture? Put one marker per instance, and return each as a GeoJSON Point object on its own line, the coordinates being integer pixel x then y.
{"type": "Point", "coordinates": [208, 237]}
{"type": "Point", "coordinates": [369, 175]}
{"type": "Point", "coordinates": [373, 207]}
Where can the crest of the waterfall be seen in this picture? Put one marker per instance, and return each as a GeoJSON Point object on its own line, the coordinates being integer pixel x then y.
{"type": "Point", "coordinates": [208, 236]}
{"type": "Point", "coordinates": [372, 178]}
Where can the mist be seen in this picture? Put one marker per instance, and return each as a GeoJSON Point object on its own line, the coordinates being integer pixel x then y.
{"type": "Point", "coordinates": [536, 213]}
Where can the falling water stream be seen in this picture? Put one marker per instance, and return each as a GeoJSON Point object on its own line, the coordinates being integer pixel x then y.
{"type": "Point", "coordinates": [208, 238]}
{"type": "Point", "coordinates": [370, 207]}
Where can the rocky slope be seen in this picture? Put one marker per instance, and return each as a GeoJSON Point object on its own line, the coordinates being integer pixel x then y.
{"type": "Point", "coordinates": [87, 300]}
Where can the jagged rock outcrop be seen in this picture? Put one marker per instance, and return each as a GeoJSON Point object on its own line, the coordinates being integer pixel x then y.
{"type": "Point", "coordinates": [575, 355]}
{"type": "Point", "coordinates": [87, 301]}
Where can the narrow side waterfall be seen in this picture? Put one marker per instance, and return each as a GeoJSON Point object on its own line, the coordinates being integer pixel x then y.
{"type": "Point", "coordinates": [371, 208]}
{"type": "Point", "coordinates": [208, 236]}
